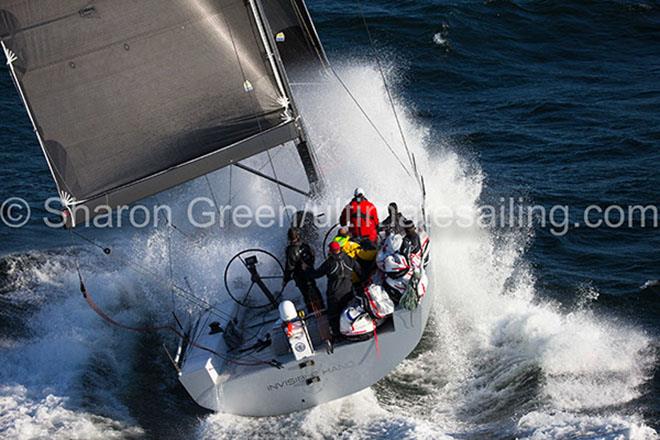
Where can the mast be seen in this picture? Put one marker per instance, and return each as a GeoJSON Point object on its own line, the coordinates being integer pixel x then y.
{"type": "Point", "coordinates": [305, 152]}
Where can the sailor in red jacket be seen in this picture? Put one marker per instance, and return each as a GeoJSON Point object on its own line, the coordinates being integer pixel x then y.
{"type": "Point", "coordinates": [361, 216]}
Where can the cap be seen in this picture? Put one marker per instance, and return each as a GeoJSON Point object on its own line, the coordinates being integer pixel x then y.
{"type": "Point", "coordinates": [358, 192]}
{"type": "Point", "coordinates": [335, 247]}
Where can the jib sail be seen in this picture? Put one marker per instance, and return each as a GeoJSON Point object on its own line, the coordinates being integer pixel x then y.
{"type": "Point", "coordinates": [296, 37]}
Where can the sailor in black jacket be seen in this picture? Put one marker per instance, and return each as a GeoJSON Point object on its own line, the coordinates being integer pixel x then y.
{"type": "Point", "coordinates": [411, 242]}
{"type": "Point", "coordinates": [299, 258]}
{"type": "Point", "coordinates": [339, 268]}
{"type": "Point", "coordinates": [394, 222]}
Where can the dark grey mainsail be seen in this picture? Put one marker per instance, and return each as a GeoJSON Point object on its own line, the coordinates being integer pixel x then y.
{"type": "Point", "coordinates": [129, 98]}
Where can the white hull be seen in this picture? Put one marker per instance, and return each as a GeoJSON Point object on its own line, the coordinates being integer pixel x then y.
{"type": "Point", "coordinates": [264, 390]}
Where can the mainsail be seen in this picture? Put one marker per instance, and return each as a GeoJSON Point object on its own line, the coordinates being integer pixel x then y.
{"type": "Point", "coordinates": [129, 98]}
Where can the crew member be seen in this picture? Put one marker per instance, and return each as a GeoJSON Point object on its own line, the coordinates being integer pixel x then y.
{"type": "Point", "coordinates": [349, 247]}
{"type": "Point", "coordinates": [300, 257]}
{"type": "Point", "coordinates": [339, 269]}
{"type": "Point", "coordinates": [361, 216]}
{"type": "Point", "coordinates": [365, 257]}
{"type": "Point", "coordinates": [411, 243]}
{"type": "Point", "coordinates": [393, 224]}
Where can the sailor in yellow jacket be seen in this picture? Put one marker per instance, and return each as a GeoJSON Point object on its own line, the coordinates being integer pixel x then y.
{"type": "Point", "coordinates": [365, 257]}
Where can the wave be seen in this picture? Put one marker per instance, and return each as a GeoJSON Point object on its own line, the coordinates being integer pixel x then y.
{"type": "Point", "coordinates": [498, 360]}
{"type": "Point", "coordinates": [496, 351]}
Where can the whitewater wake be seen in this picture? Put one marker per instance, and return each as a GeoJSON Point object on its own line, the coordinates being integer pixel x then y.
{"type": "Point", "coordinates": [497, 360]}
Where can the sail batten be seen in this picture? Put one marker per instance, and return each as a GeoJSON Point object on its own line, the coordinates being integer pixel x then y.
{"type": "Point", "coordinates": [130, 98]}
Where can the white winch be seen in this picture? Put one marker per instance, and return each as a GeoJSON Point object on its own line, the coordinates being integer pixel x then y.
{"type": "Point", "coordinates": [295, 331]}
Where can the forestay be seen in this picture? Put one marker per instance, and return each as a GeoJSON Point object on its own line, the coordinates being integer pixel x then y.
{"type": "Point", "coordinates": [131, 97]}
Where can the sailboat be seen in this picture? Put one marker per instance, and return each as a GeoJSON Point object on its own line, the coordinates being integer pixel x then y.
{"type": "Point", "coordinates": [129, 99]}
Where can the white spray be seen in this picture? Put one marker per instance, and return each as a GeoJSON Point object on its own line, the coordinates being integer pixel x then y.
{"type": "Point", "coordinates": [490, 337]}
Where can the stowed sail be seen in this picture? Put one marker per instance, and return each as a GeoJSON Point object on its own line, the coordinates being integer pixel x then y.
{"type": "Point", "coordinates": [131, 98]}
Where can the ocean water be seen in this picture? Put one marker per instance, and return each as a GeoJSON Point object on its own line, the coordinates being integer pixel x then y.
{"type": "Point", "coordinates": [534, 335]}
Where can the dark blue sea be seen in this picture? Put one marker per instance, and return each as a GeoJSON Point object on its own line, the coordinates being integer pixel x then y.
{"type": "Point", "coordinates": [535, 333]}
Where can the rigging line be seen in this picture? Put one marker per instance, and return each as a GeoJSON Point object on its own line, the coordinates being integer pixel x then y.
{"type": "Point", "coordinates": [258, 171]}
{"type": "Point", "coordinates": [215, 202]}
{"type": "Point", "coordinates": [279, 185]}
{"type": "Point", "coordinates": [106, 250]}
{"type": "Point", "coordinates": [385, 83]}
{"type": "Point", "coordinates": [253, 100]}
{"type": "Point", "coordinates": [169, 255]}
{"type": "Point", "coordinates": [188, 296]}
{"type": "Point", "coordinates": [192, 343]}
{"type": "Point", "coordinates": [198, 328]}
{"type": "Point", "coordinates": [311, 33]}
{"type": "Point", "coordinates": [411, 156]}
{"type": "Point", "coordinates": [54, 172]}
{"type": "Point", "coordinates": [197, 242]}
{"type": "Point", "coordinates": [231, 176]}
{"type": "Point", "coordinates": [233, 44]}
{"type": "Point", "coordinates": [290, 112]}
{"type": "Point", "coordinates": [106, 317]}
{"type": "Point", "coordinates": [170, 264]}
{"type": "Point", "coordinates": [274, 180]}
{"type": "Point", "coordinates": [90, 301]}
{"type": "Point", "coordinates": [371, 122]}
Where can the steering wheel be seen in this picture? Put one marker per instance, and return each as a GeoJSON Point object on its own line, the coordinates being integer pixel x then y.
{"type": "Point", "coordinates": [250, 271]}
